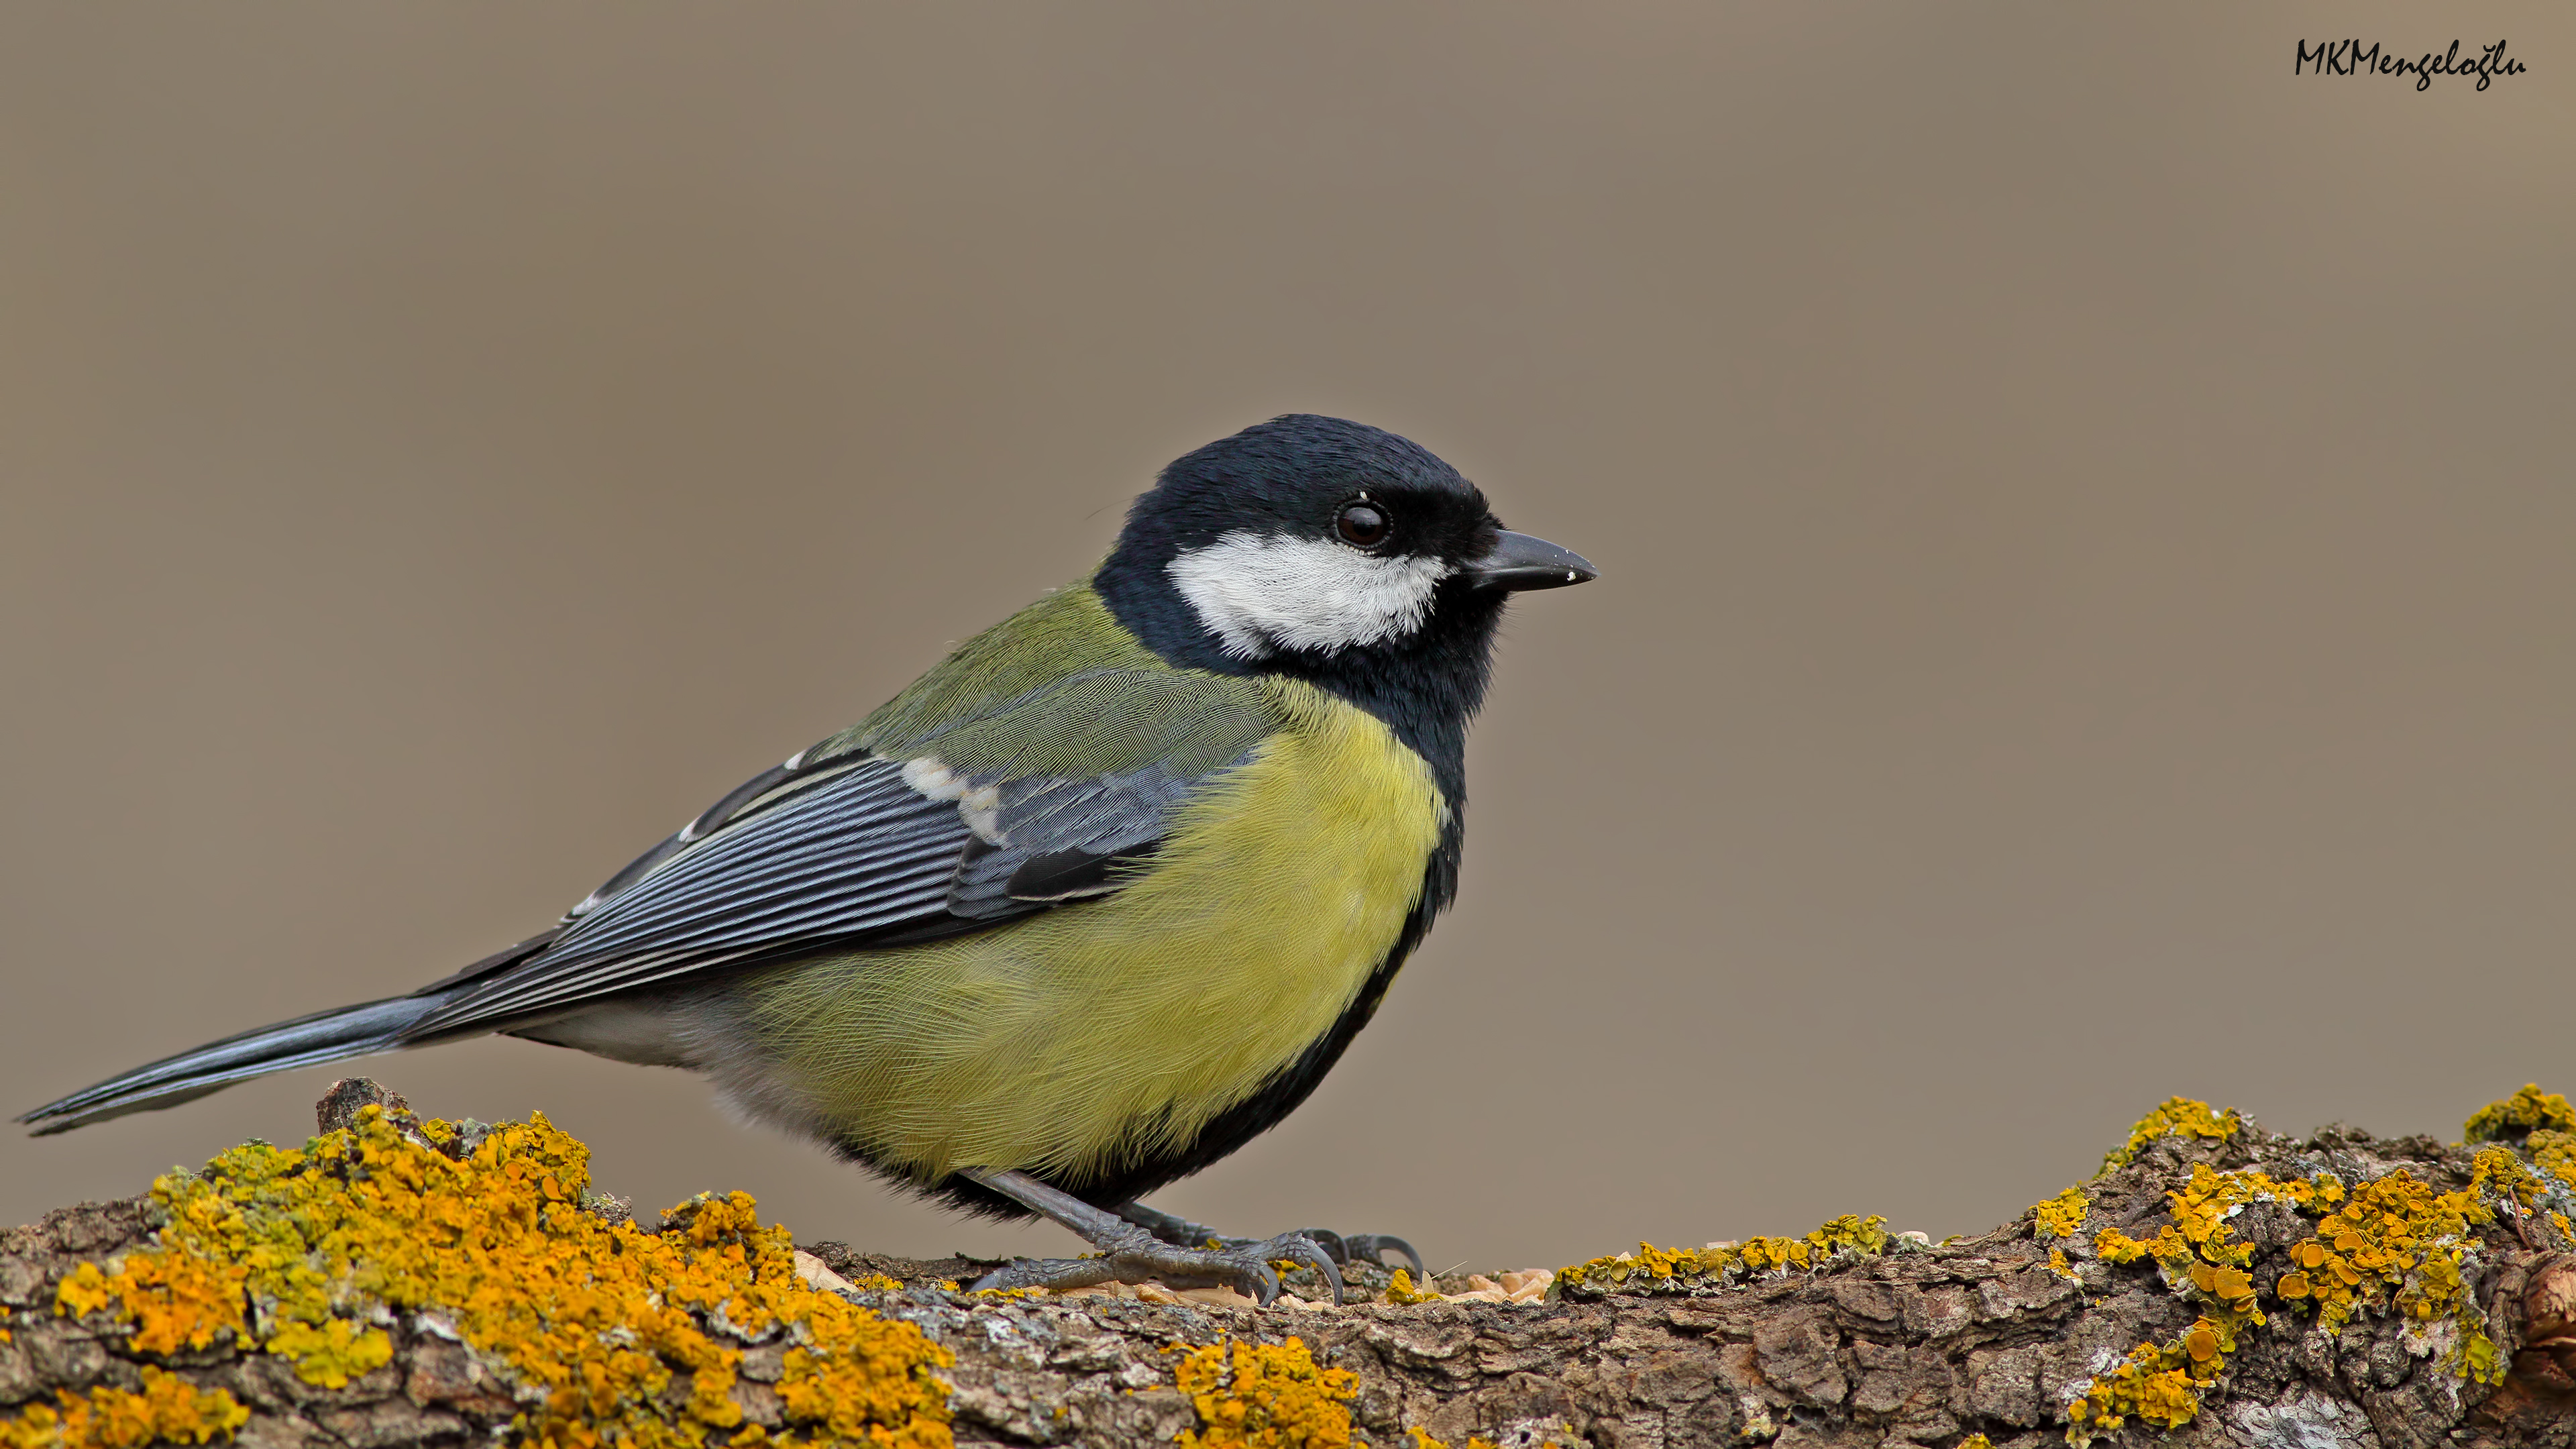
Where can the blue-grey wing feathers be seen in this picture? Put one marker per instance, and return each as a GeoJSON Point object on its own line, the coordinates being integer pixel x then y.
{"type": "Point", "coordinates": [859, 854]}
{"type": "Point", "coordinates": [1057, 840]}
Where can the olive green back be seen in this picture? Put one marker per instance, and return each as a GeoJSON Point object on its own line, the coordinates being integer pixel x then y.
{"type": "Point", "coordinates": [1060, 689]}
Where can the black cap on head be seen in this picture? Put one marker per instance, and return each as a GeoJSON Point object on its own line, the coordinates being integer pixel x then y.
{"type": "Point", "coordinates": [1288, 477]}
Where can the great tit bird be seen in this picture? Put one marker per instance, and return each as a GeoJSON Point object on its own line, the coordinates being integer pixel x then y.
{"type": "Point", "coordinates": [1087, 907]}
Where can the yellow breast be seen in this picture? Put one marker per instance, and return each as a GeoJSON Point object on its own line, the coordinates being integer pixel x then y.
{"type": "Point", "coordinates": [1100, 1031]}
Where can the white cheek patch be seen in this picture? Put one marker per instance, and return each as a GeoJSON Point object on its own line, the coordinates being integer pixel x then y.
{"type": "Point", "coordinates": [1258, 594]}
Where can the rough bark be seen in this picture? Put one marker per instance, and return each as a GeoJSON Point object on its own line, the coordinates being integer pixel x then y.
{"type": "Point", "coordinates": [1916, 1344]}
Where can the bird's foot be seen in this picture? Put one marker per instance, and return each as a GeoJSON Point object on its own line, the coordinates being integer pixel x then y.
{"type": "Point", "coordinates": [1134, 1254]}
{"type": "Point", "coordinates": [1343, 1248]}
{"type": "Point", "coordinates": [1369, 1248]}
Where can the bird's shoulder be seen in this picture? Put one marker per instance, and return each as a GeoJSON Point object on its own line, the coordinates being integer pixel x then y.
{"type": "Point", "coordinates": [1062, 690]}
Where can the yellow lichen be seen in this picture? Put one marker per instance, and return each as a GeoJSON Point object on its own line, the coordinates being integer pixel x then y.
{"type": "Point", "coordinates": [2113, 1246]}
{"type": "Point", "coordinates": [2198, 1255]}
{"type": "Point", "coordinates": [2398, 1245]}
{"type": "Point", "coordinates": [2160, 1384]}
{"type": "Point", "coordinates": [1976, 1441]}
{"type": "Point", "coordinates": [2497, 1170]}
{"type": "Point", "coordinates": [1671, 1269]}
{"type": "Point", "coordinates": [2061, 1216]}
{"type": "Point", "coordinates": [2554, 1153]}
{"type": "Point", "coordinates": [2201, 1207]}
{"type": "Point", "coordinates": [332, 1352]}
{"type": "Point", "coordinates": [168, 1410]}
{"type": "Point", "coordinates": [2393, 1244]}
{"type": "Point", "coordinates": [1653, 1266]}
{"type": "Point", "coordinates": [1264, 1396]}
{"type": "Point", "coordinates": [2178, 1117]}
{"type": "Point", "coordinates": [2523, 1112]}
{"type": "Point", "coordinates": [175, 1299]}
{"type": "Point", "coordinates": [2058, 1265]}
{"type": "Point", "coordinates": [1850, 1233]}
{"type": "Point", "coordinates": [324, 1243]}
{"type": "Point", "coordinates": [1400, 1290]}
{"type": "Point", "coordinates": [1764, 1254]}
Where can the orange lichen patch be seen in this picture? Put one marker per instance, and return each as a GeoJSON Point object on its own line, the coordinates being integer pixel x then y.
{"type": "Point", "coordinates": [1654, 1269]}
{"type": "Point", "coordinates": [1264, 1396]}
{"type": "Point", "coordinates": [2232, 1289]}
{"type": "Point", "coordinates": [2160, 1384]}
{"type": "Point", "coordinates": [2201, 1208]}
{"type": "Point", "coordinates": [616, 1334]}
{"type": "Point", "coordinates": [2178, 1117]}
{"type": "Point", "coordinates": [2399, 1245]}
{"type": "Point", "coordinates": [2058, 1265]}
{"type": "Point", "coordinates": [175, 1298]}
{"type": "Point", "coordinates": [168, 1410]}
{"type": "Point", "coordinates": [2113, 1246]}
{"type": "Point", "coordinates": [2525, 1111]}
{"type": "Point", "coordinates": [2392, 1245]}
{"type": "Point", "coordinates": [2061, 1216]}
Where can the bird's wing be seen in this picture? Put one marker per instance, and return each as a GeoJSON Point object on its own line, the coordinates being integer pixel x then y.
{"type": "Point", "coordinates": [1029, 791]}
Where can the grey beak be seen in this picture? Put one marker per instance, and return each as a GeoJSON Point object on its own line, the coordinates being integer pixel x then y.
{"type": "Point", "coordinates": [1519, 561]}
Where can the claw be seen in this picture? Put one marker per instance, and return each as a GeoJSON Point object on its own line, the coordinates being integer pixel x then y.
{"type": "Point", "coordinates": [1373, 1247]}
{"type": "Point", "coordinates": [1302, 1248]}
{"type": "Point", "coordinates": [1264, 1285]}
{"type": "Point", "coordinates": [1366, 1248]}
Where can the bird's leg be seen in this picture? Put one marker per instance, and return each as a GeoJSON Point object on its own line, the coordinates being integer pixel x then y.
{"type": "Point", "coordinates": [1340, 1247]}
{"type": "Point", "coordinates": [1130, 1253]}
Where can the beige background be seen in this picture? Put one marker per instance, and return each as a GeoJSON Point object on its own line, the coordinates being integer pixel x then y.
{"type": "Point", "coordinates": [2086, 519]}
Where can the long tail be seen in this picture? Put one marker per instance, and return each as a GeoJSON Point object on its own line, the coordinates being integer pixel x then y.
{"type": "Point", "coordinates": [328, 1036]}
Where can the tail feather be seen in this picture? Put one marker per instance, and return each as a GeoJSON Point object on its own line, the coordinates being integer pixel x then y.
{"type": "Point", "coordinates": [327, 1036]}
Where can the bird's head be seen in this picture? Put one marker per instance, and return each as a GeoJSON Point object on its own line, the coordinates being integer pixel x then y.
{"type": "Point", "coordinates": [1314, 545]}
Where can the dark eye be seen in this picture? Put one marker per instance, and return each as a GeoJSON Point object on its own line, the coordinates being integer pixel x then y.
{"type": "Point", "coordinates": [1363, 524]}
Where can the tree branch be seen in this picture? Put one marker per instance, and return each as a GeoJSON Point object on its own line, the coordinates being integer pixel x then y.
{"type": "Point", "coordinates": [2215, 1285]}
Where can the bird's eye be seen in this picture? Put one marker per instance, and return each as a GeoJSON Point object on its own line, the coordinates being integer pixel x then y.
{"type": "Point", "coordinates": [1364, 525]}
